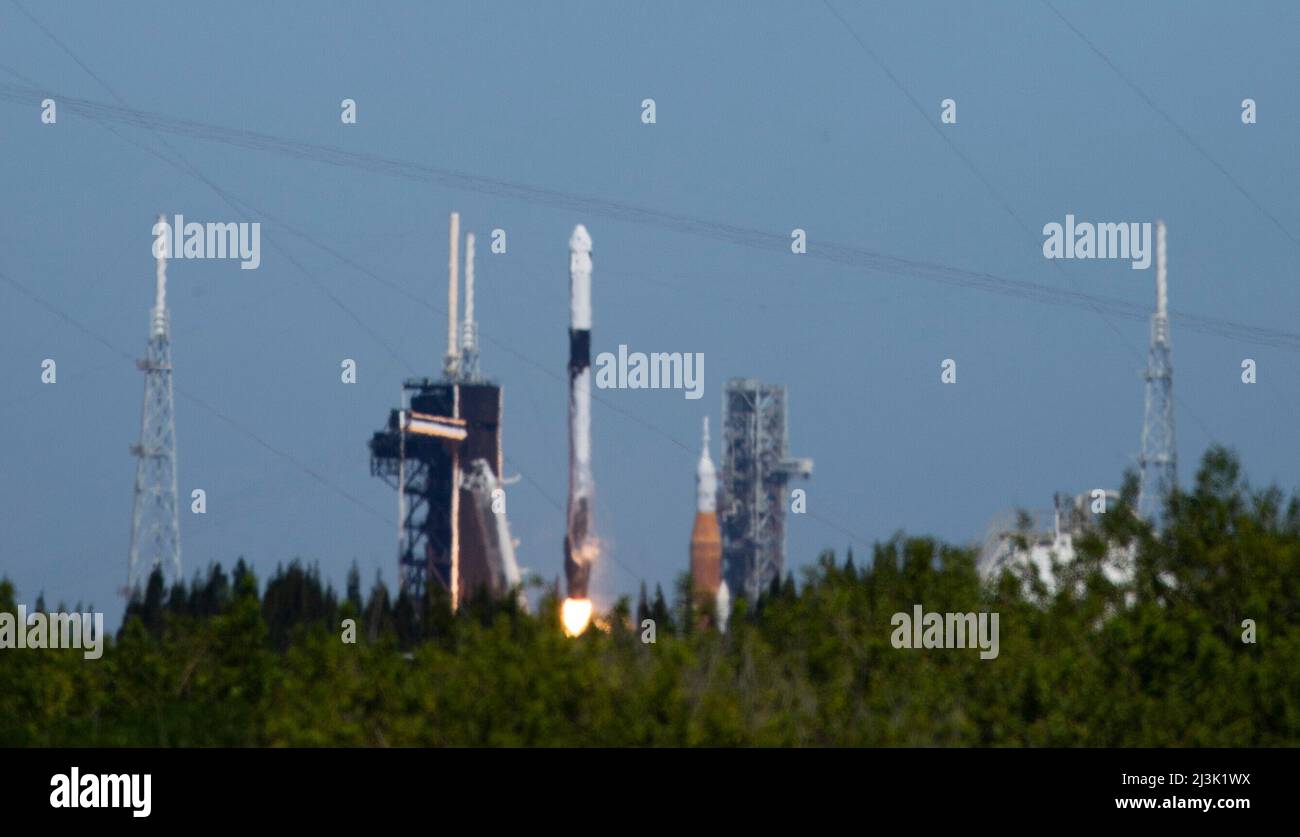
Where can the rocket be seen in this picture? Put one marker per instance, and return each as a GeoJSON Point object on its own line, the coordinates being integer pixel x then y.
{"type": "Point", "coordinates": [707, 585]}
{"type": "Point", "coordinates": [706, 538]}
{"type": "Point", "coordinates": [579, 544]}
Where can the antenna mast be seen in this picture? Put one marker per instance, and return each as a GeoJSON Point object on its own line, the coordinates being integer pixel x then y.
{"type": "Point", "coordinates": [155, 524]}
{"type": "Point", "coordinates": [451, 362]}
{"type": "Point", "coordinates": [1159, 458]}
{"type": "Point", "coordinates": [469, 332]}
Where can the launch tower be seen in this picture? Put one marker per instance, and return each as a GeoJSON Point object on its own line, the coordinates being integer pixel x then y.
{"type": "Point", "coordinates": [442, 451]}
{"type": "Point", "coordinates": [755, 470]}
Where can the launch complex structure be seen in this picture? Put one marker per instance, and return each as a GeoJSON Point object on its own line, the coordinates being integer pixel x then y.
{"type": "Point", "coordinates": [756, 468]}
{"type": "Point", "coordinates": [1011, 541]}
{"type": "Point", "coordinates": [441, 449]}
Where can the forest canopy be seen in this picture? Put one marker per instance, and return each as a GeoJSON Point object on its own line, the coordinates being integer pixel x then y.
{"type": "Point", "coordinates": [1156, 660]}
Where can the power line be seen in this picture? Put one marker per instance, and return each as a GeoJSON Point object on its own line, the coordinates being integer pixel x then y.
{"type": "Point", "coordinates": [848, 256]}
{"type": "Point", "coordinates": [997, 195]}
{"type": "Point", "coordinates": [1141, 94]}
{"type": "Point", "coordinates": [186, 167]}
{"type": "Point", "coordinates": [86, 330]}
{"type": "Point", "coordinates": [845, 255]}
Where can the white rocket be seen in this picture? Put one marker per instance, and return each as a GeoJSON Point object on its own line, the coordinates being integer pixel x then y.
{"type": "Point", "coordinates": [579, 544]}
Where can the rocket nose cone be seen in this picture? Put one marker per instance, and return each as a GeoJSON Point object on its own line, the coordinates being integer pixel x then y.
{"type": "Point", "coordinates": [580, 241]}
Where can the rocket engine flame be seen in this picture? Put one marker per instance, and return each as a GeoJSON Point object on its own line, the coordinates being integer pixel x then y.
{"type": "Point", "coordinates": [575, 614]}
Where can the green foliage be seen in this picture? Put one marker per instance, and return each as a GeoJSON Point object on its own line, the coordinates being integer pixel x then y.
{"type": "Point", "coordinates": [1155, 662]}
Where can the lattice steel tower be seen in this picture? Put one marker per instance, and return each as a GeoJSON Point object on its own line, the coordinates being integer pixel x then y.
{"type": "Point", "coordinates": [155, 526]}
{"type": "Point", "coordinates": [1159, 459]}
{"type": "Point", "coordinates": [755, 470]}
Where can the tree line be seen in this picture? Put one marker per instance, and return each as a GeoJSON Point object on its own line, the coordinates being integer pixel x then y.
{"type": "Point", "coordinates": [1159, 659]}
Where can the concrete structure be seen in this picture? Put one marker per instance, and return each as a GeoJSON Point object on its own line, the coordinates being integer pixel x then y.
{"type": "Point", "coordinates": [1043, 541]}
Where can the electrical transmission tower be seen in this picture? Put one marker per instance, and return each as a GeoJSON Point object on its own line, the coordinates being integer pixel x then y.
{"type": "Point", "coordinates": [1159, 459]}
{"type": "Point", "coordinates": [155, 526]}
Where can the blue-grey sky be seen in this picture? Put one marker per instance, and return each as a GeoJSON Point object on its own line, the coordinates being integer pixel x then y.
{"type": "Point", "coordinates": [769, 117]}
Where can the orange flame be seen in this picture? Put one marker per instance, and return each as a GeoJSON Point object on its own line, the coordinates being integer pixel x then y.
{"type": "Point", "coordinates": [576, 615]}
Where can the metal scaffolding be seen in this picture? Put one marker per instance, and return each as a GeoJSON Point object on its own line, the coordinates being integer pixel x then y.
{"type": "Point", "coordinates": [755, 471]}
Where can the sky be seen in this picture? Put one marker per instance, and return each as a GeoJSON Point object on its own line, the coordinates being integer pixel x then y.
{"type": "Point", "coordinates": [768, 117]}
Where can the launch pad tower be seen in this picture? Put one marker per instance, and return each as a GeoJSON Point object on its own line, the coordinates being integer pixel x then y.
{"type": "Point", "coordinates": [755, 470]}
{"type": "Point", "coordinates": [443, 454]}
{"type": "Point", "coordinates": [442, 451]}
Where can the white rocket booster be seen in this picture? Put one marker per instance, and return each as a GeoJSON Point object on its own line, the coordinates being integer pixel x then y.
{"type": "Point", "coordinates": [579, 544]}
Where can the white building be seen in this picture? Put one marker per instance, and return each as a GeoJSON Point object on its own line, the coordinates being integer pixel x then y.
{"type": "Point", "coordinates": [1046, 539]}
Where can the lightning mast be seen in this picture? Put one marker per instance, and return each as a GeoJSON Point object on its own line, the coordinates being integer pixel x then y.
{"type": "Point", "coordinates": [451, 361]}
{"type": "Point", "coordinates": [1159, 458]}
{"type": "Point", "coordinates": [469, 329]}
{"type": "Point", "coordinates": [155, 525]}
